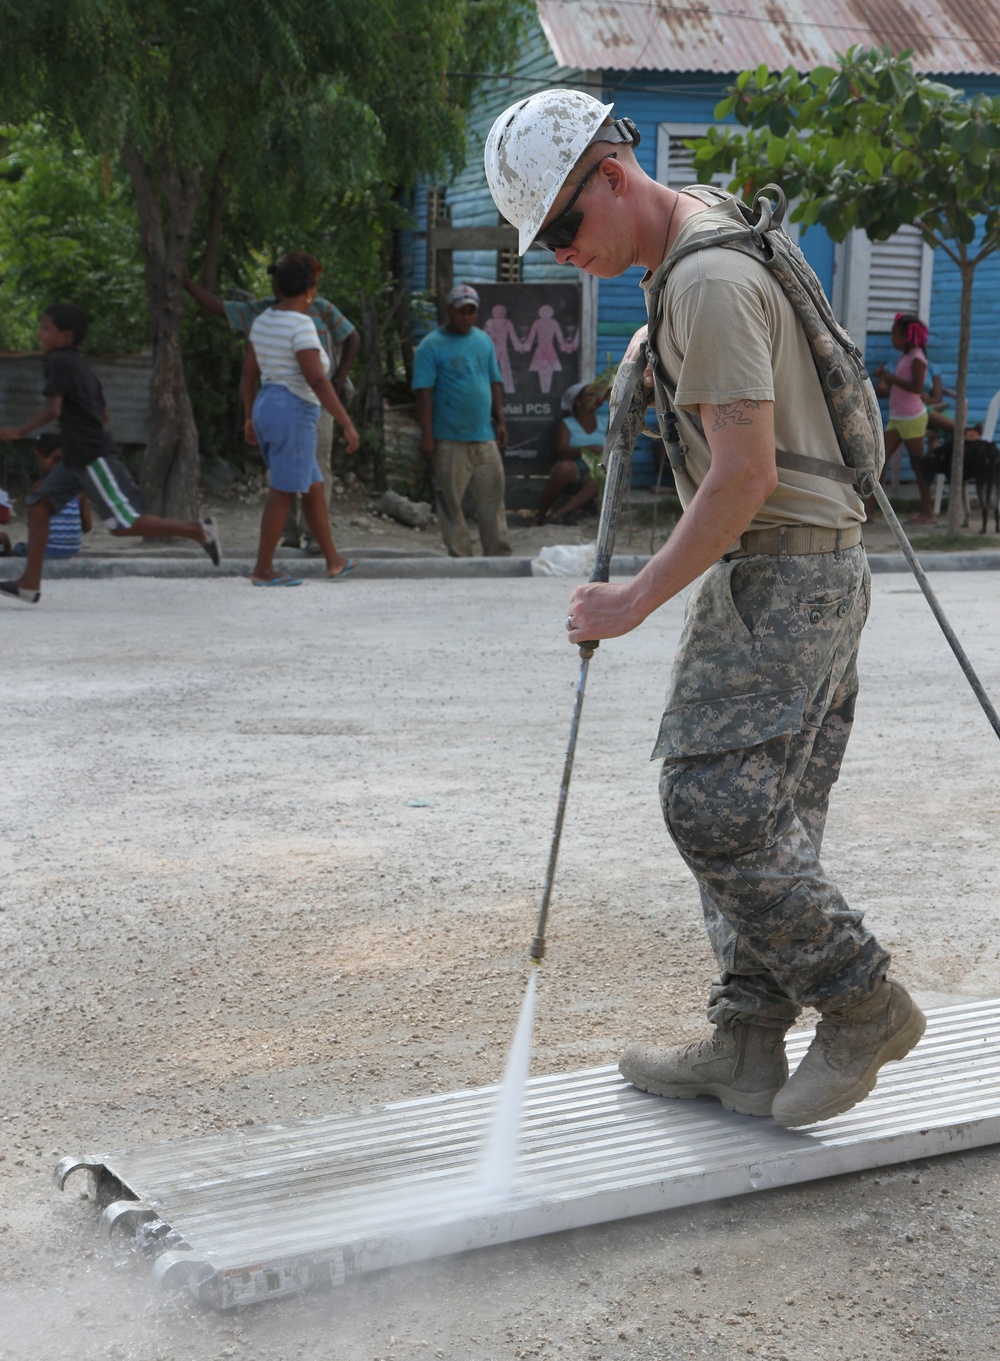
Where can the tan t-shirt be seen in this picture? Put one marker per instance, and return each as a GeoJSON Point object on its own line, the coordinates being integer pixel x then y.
{"type": "Point", "coordinates": [729, 334]}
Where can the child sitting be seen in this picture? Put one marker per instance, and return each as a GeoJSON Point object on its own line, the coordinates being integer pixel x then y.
{"type": "Point", "coordinates": [5, 513]}
{"type": "Point", "coordinates": [68, 526]}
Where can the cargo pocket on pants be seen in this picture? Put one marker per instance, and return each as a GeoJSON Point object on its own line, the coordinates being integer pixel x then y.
{"type": "Point", "coordinates": [728, 723]}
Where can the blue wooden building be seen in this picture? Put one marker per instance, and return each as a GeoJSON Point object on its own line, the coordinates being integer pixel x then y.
{"type": "Point", "coordinates": [667, 67]}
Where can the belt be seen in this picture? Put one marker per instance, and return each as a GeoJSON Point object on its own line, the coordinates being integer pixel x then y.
{"type": "Point", "coordinates": [793, 541]}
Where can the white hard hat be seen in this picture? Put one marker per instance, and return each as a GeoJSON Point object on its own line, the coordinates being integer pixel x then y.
{"type": "Point", "coordinates": [533, 146]}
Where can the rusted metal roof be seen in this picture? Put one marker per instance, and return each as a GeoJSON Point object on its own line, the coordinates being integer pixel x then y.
{"type": "Point", "coordinates": [948, 37]}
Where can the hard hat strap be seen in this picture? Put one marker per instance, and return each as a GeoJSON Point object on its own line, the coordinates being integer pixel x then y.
{"type": "Point", "coordinates": [621, 130]}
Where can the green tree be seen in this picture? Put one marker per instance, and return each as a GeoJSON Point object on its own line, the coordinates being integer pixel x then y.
{"type": "Point", "coordinates": [871, 144]}
{"type": "Point", "coordinates": [67, 233]}
{"type": "Point", "coordinates": [396, 68]}
{"type": "Point", "coordinates": [277, 95]}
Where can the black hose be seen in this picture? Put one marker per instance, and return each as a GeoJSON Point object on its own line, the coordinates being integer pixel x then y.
{"type": "Point", "coordinates": [939, 614]}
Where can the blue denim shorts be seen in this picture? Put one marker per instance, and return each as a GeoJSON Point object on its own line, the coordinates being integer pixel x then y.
{"type": "Point", "coordinates": [286, 433]}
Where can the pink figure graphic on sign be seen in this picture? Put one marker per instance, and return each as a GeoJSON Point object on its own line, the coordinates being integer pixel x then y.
{"type": "Point", "coordinates": [500, 330]}
{"type": "Point", "coordinates": [545, 335]}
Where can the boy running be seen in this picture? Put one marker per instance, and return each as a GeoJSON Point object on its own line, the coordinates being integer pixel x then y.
{"type": "Point", "coordinates": [90, 464]}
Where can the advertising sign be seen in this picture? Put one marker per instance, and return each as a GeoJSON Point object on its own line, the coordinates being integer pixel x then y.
{"type": "Point", "coordinates": [535, 329]}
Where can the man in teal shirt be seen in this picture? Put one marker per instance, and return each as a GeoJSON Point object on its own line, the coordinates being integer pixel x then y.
{"type": "Point", "coordinates": [339, 339]}
{"type": "Point", "coordinates": [459, 393]}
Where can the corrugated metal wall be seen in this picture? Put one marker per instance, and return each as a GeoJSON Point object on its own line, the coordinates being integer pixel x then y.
{"type": "Point", "coordinates": [468, 196]}
{"type": "Point", "coordinates": [125, 380]}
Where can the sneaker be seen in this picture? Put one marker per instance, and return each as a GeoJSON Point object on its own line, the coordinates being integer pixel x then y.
{"type": "Point", "coordinates": [17, 592]}
{"type": "Point", "coordinates": [851, 1044]}
{"type": "Point", "coordinates": [212, 545]}
{"type": "Point", "coordinates": [742, 1065]}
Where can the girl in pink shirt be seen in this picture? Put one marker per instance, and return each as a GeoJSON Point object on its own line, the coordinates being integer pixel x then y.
{"type": "Point", "coordinates": [907, 412]}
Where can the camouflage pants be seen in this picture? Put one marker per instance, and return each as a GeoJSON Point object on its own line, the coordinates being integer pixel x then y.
{"type": "Point", "coordinates": [759, 711]}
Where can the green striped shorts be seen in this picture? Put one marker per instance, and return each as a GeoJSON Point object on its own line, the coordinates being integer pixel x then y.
{"type": "Point", "coordinates": [108, 484]}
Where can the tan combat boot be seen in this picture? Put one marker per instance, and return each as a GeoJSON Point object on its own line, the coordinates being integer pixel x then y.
{"type": "Point", "coordinates": [841, 1065]}
{"type": "Point", "coordinates": [743, 1065]}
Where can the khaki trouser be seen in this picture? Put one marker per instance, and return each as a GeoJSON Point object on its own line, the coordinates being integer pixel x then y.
{"type": "Point", "coordinates": [295, 525]}
{"type": "Point", "coordinates": [458, 466]}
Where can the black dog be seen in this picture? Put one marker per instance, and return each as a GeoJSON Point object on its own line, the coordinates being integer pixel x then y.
{"type": "Point", "coordinates": [980, 465]}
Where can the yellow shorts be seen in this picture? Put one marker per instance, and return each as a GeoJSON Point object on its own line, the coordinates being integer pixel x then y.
{"type": "Point", "coordinates": [909, 427]}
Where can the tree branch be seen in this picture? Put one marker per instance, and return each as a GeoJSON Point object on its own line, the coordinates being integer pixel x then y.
{"type": "Point", "coordinates": [987, 250]}
{"type": "Point", "coordinates": [146, 202]}
{"type": "Point", "coordinates": [380, 335]}
{"type": "Point", "coordinates": [943, 244]}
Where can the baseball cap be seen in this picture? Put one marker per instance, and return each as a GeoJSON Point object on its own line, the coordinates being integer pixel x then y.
{"type": "Point", "coordinates": [461, 295]}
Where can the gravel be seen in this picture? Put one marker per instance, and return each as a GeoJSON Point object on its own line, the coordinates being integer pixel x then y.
{"type": "Point", "coordinates": [279, 854]}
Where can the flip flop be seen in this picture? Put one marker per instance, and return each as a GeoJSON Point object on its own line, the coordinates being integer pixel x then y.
{"type": "Point", "coordinates": [17, 592]}
{"type": "Point", "coordinates": [276, 581]}
{"type": "Point", "coordinates": [212, 545]}
{"type": "Point", "coordinates": [350, 566]}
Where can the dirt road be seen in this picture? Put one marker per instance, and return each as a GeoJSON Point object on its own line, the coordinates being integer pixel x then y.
{"type": "Point", "coordinates": [359, 528]}
{"type": "Point", "coordinates": [281, 856]}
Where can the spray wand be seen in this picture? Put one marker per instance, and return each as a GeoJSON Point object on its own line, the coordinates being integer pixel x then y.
{"type": "Point", "coordinates": [628, 406]}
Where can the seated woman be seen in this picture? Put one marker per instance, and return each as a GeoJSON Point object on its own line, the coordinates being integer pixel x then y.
{"type": "Point", "coordinates": [582, 426]}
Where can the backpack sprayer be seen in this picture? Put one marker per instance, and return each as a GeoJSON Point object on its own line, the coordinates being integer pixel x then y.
{"type": "Point", "coordinates": [847, 388]}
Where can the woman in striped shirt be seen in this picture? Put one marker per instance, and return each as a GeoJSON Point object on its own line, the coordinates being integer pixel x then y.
{"type": "Point", "coordinates": [285, 382]}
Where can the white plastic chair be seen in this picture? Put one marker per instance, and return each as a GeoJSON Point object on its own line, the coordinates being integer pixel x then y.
{"type": "Point", "coordinates": [992, 415]}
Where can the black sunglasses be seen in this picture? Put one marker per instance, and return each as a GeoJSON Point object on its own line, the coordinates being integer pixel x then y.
{"type": "Point", "coordinates": [561, 231]}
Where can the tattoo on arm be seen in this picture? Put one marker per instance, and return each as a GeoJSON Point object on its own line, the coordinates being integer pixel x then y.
{"type": "Point", "coordinates": [733, 413]}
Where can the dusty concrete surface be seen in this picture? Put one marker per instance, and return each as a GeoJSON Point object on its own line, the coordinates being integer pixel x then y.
{"type": "Point", "coordinates": [220, 904]}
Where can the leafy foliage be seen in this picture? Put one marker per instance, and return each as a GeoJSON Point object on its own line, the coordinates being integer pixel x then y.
{"type": "Point", "coordinates": [870, 144]}
{"type": "Point", "coordinates": [68, 233]}
{"type": "Point", "coordinates": [331, 168]}
{"type": "Point", "coordinates": [302, 121]}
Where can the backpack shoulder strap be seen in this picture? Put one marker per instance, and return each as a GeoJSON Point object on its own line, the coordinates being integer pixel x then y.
{"type": "Point", "coordinates": [839, 365]}
{"type": "Point", "coordinates": [740, 237]}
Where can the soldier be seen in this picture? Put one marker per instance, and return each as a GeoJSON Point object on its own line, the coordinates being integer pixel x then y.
{"type": "Point", "coordinates": [762, 694]}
